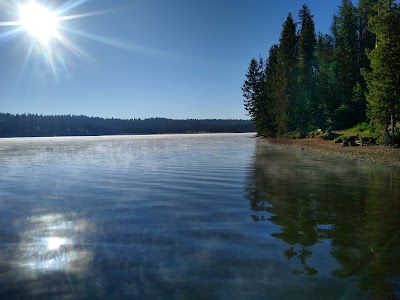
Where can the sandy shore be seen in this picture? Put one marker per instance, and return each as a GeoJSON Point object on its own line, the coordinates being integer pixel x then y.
{"type": "Point", "coordinates": [381, 154]}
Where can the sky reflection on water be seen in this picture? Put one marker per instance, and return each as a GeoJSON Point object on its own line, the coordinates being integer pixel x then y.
{"type": "Point", "coordinates": [193, 216]}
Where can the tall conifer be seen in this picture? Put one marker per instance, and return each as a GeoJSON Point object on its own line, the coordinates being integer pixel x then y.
{"type": "Point", "coordinates": [307, 108]}
{"type": "Point", "coordinates": [347, 70]}
{"type": "Point", "coordinates": [325, 80]}
{"type": "Point", "coordinates": [287, 84]}
{"type": "Point", "coordinates": [383, 81]}
{"type": "Point", "coordinates": [252, 91]}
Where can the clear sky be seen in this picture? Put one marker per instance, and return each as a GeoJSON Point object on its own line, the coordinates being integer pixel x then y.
{"type": "Point", "coordinates": [143, 58]}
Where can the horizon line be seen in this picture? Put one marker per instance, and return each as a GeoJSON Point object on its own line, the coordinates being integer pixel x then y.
{"type": "Point", "coordinates": [123, 119]}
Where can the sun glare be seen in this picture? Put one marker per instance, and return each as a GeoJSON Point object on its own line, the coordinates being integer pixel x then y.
{"type": "Point", "coordinates": [38, 21]}
{"type": "Point", "coordinates": [49, 31]}
{"type": "Point", "coordinates": [54, 243]}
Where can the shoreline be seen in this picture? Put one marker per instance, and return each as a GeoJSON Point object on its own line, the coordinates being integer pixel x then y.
{"type": "Point", "coordinates": [379, 154]}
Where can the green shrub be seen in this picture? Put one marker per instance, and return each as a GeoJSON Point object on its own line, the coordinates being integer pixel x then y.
{"type": "Point", "coordinates": [341, 138]}
{"type": "Point", "coordinates": [315, 133]}
{"type": "Point", "coordinates": [361, 127]}
{"type": "Point", "coordinates": [366, 134]}
{"type": "Point", "coordinates": [294, 135]}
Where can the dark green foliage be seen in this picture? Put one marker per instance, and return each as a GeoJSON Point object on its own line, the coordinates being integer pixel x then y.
{"type": "Point", "coordinates": [361, 127]}
{"type": "Point", "coordinates": [307, 103]}
{"type": "Point", "coordinates": [315, 82]}
{"type": "Point", "coordinates": [252, 90]}
{"type": "Point", "coordinates": [344, 116]}
{"type": "Point", "coordinates": [367, 39]}
{"type": "Point", "coordinates": [286, 84]}
{"type": "Point", "coordinates": [29, 125]}
{"type": "Point", "coordinates": [383, 80]}
{"type": "Point", "coordinates": [358, 102]}
{"type": "Point", "coordinates": [365, 10]}
{"type": "Point", "coordinates": [252, 87]}
{"type": "Point", "coordinates": [345, 40]}
{"type": "Point", "coordinates": [326, 81]}
{"type": "Point", "coordinates": [271, 80]}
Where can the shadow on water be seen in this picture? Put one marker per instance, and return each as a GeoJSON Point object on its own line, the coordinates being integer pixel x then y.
{"type": "Point", "coordinates": [338, 218]}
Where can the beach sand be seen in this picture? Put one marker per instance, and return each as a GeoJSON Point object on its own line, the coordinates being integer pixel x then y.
{"type": "Point", "coordinates": [381, 154]}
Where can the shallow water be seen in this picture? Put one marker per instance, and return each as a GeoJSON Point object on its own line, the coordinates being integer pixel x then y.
{"type": "Point", "coordinates": [194, 216]}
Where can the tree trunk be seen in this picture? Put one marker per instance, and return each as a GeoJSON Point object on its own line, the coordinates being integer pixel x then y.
{"type": "Point", "coordinates": [392, 123]}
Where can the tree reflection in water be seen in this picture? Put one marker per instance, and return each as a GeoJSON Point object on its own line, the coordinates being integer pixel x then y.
{"type": "Point", "coordinates": [351, 207]}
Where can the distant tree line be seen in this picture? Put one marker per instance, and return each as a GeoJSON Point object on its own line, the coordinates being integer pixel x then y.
{"type": "Point", "coordinates": [33, 125]}
{"type": "Point", "coordinates": [311, 81]}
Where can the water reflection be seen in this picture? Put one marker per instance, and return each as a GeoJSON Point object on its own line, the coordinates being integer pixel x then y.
{"type": "Point", "coordinates": [50, 248]}
{"type": "Point", "coordinates": [337, 217]}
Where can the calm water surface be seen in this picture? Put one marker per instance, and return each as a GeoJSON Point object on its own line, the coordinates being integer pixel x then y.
{"type": "Point", "coordinates": [223, 216]}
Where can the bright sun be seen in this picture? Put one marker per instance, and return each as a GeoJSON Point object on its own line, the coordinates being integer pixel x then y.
{"type": "Point", "coordinates": [48, 30]}
{"type": "Point", "coordinates": [38, 21]}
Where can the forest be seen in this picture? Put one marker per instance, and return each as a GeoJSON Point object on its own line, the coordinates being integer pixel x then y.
{"type": "Point", "coordinates": [312, 81]}
{"type": "Point", "coordinates": [33, 125]}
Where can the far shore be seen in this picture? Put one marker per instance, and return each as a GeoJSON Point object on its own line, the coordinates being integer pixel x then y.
{"type": "Point", "coordinates": [380, 154]}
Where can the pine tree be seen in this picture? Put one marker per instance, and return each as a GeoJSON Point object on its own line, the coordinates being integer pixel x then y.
{"type": "Point", "coordinates": [344, 31]}
{"type": "Point", "coordinates": [325, 80]}
{"type": "Point", "coordinates": [346, 49]}
{"type": "Point", "coordinates": [252, 91]}
{"type": "Point", "coordinates": [307, 103]}
{"type": "Point", "coordinates": [287, 73]}
{"type": "Point", "coordinates": [270, 92]}
{"type": "Point", "coordinates": [366, 40]}
{"type": "Point", "coordinates": [383, 81]}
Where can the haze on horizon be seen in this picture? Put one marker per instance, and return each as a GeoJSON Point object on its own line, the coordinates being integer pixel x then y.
{"type": "Point", "coordinates": [137, 59]}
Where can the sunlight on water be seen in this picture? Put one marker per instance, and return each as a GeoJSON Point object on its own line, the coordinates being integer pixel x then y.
{"type": "Point", "coordinates": [37, 253]}
{"type": "Point", "coordinates": [54, 243]}
{"type": "Point", "coordinates": [222, 216]}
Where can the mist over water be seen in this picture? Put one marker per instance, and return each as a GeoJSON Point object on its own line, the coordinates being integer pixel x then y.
{"type": "Point", "coordinates": [193, 216]}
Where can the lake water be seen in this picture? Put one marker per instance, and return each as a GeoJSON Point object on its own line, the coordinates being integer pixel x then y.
{"type": "Point", "coordinates": [222, 216]}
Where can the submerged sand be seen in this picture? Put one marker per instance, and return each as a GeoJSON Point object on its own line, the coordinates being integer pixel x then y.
{"type": "Point", "coordinates": [381, 154]}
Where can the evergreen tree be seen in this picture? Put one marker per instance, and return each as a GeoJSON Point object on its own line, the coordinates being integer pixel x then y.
{"type": "Point", "coordinates": [383, 81]}
{"type": "Point", "coordinates": [307, 103]}
{"type": "Point", "coordinates": [345, 40]}
{"type": "Point", "coordinates": [252, 91]}
{"type": "Point", "coordinates": [270, 92]}
{"type": "Point", "coordinates": [344, 31]}
{"type": "Point", "coordinates": [366, 40]}
{"type": "Point", "coordinates": [325, 80]}
{"type": "Point", "coordinates": [287, 73]}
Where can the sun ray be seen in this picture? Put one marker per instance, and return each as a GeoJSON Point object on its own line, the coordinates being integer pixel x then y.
{"type": "Point", "coordinates": [84, 15]}
{"type": "Point", "coordinates": [98, 38]}
{"type": "Point", "coordinates": [10, 32]}
{"type": "Point", "coordinates": [73, 48]}
{"type": "Point", "coordinates": [118, 44]}
{"type": "Point", "coordinates": [67, 6]}
{"type": "Point", "coordinates": [26, 60]}
{"type": "Point", "coordinates": [47, 30]}
{"type": "Point", "coordinates": [11, 23]}
{"type": "Point", "coordinates": [50, 58]}
{"type": "Point", "coordinates": [41, 24]}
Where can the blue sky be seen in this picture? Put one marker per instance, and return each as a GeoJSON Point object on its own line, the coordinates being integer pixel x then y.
{"type": "Point", "coordinates": [147, 58]}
